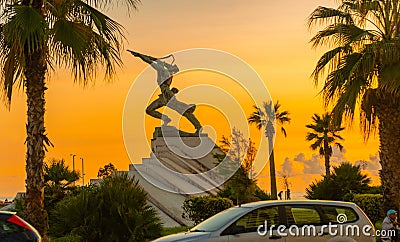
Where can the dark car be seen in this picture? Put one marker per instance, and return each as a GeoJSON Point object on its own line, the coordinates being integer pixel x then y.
{"type": "Point", "coordinates": [14, 229]}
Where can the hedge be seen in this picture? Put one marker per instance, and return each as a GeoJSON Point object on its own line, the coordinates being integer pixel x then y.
{"type": "Point", "coordinates": [371, 204]}
{"type": "Point", "coordinates": [200, 208]}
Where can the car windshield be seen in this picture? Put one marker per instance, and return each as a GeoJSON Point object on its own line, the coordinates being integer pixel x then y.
{"type": "Point", "coordinates": [220, 219]}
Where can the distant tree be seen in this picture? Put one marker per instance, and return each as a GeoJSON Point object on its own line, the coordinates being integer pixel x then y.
{"type": "Point", "coordinates": [240, 188]}
{"type": "Point", "coordinates": [59, 181]}
{"type": "Point", "coordinates": [346, 178]}
{"type": "Point", "coordinates": [286, 183]}
{"type": "Point", "coordinates": [106, 171]}
{"type": "Point", "coordinates": [267, 117]}
{"type": "Point", "coordinates": [262, 195]}
{"type": "Point", "coordinates": [324, 133]}
{"type": "Point", "coordinates": [350, 178]}
{"type": "Point", "coordinates": [117, 210]}
{"type": "Point", "coordinates": [324, 189]}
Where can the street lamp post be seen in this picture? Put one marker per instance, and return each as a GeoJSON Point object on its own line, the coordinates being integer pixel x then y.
{"type": "Point", "coordinates": [83, 173]}
{"type": "Point", "coordinates": [73, 163]}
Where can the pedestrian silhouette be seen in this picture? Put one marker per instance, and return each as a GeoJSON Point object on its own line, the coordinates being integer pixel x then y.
{"type": "Point", "coordinates": [280, 195]}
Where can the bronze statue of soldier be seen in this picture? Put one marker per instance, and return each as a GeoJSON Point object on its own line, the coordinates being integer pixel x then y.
{"type": "Point", "coordinates": [165, 72]}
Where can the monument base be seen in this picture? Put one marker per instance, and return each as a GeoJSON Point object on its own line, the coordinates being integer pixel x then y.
{"type": "Point", "coordinates": [180, 164]}
{"type": "Point", "coordinates": [171, 131]}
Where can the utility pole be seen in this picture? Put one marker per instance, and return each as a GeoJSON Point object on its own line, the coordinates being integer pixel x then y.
{"type": "Point", "coordinates": [83, 173]}
{"type": "Point", "coordinates": [73, 164]}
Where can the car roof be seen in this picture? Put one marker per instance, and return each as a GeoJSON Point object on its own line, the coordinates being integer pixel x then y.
{"type": "Point", "coordinates": [297, 202]}
{"type": "Point", "coordinates": [7, 212]}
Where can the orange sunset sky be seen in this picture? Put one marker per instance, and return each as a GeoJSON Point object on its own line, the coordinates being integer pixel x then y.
{"type": "Point", "coordinates": [271, 36]}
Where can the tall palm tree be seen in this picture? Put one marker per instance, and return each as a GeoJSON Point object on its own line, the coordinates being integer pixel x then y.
{"type": "Point", "coordinates": [324, 134]}
{"type": "Point", "coordinates": [35, 37]}
{"type": "Point", "coordinates": [363, 67]}
{"type": "Point", "coordinates": [266, 118]}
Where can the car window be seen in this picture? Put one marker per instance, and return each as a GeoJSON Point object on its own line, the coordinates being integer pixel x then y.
{"type": "Point", "coordinates": [333, 213]}
{"type": "Point", "coordinates": [302, 215]}
{"type": "Point", "coordinates": [220, 219]}
{"type": "Point", "coordinates": [251, 221]}
{"type": "Point", "coordinates": [7, 228]}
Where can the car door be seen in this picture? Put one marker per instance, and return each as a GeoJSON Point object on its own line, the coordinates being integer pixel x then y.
{"type": "Point", "coordinates": [345, 223]}
{"type": "Point", "coordinates": [305, 223]}
{"type": "Point", "coordinates": [258, 224]}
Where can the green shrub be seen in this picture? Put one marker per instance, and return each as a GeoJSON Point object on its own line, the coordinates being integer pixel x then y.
{"type": "Point", "coordinates": [345, 178]}
{"type": "Point", "coordinates": [174, 230]}
{"type": "Point", "coordinates": [371, 204]}
{"type": "Point", "coordinates": [68, 238]}
{"type": "Point", "coordinates": [200, 208]}
{"type": "Point", "coordinates": [115, 211]}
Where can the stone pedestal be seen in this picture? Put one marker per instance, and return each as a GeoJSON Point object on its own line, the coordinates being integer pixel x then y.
{"type": "Point", "coordinates": [180, 164]}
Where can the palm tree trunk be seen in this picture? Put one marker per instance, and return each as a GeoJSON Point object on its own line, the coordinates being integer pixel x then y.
{"type": "Point", "coordinates": [274, 194]}
{"type": "Point", "coordinates": [388, 112]}
{"type": "Point", "coordinates": [35, 73]}
{"type": "Point", "coordinates": [327, 162]}
{"type": "Point", "coordinates": [35, 212]}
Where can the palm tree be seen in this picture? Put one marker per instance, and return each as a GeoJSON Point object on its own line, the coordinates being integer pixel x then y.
{"type": "Point", "coordinates": [346, 178]}
{"type": "Point", "coordinates": [363, 66]}
{"type": "Point", "coordinates": [35, 37]}
{"type": "Point", "coordinates": [266, 118]}
{"type": "Point", "coordinates": [324, 134]}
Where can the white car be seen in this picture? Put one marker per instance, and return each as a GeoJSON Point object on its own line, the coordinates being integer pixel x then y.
{"type": "Point", "coordinates": [284, 221]}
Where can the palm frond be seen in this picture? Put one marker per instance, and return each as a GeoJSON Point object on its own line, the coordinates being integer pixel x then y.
{"type": "Point", "coordinates": [390, 78]}
{"type": "Point", "coordinates": [368, 115]}
{"type": "Point", "coordinates": [85, 40]}
{"type": "Point", "coordinates": [317, 144]}
{"type": "Point", "coordinates": [129, 4]}
{"type": "Point", "coordinates": [331, 57]}
{"type": "Point", "coordinates": [324, 15]}
{"type": "Point", "coordinates": [355, 66]}
{"type": "Point", "coordinates": [25, 30]}
{"type": "Point", "coordinates": [22, 33]}
{"type": "Point", "coordinates": [311, 136]}
{"type": "Point", "coordinates": [283, 130]}
{"type": "Point", "coordinates": [340, 146]}
{"type": "Point", "coordinates": [341, 35]}
{"type": "Point", "coordinates": [255, 118]}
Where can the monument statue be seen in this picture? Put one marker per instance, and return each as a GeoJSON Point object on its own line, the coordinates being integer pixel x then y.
{"type": "Point", "coordinates": [165, 72]}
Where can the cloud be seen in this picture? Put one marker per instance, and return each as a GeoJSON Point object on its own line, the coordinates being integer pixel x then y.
{"type": "Point", "coordinates": [312, 166]}
{"type": "Point", "coordinates": [287, 167]}
{"type": "Point", "coordinates": [302, 170]}
{"type": "Point", "coordinates": [337, 156]}
{"type": "Point", "coordinates": [372, 165]}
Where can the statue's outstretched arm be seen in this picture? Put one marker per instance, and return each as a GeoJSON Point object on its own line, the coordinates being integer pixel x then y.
{"type": "Point", "coordinates": [145, 58]}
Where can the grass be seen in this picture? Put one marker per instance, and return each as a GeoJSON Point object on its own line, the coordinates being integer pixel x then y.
{"type": "Point", "coordinates": [174, 230]}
